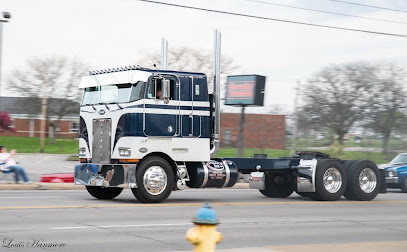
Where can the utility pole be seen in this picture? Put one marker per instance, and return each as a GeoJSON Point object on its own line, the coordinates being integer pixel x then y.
{"type": "Point", "coordinates": [294, 135]}
{"type": "Point", "coordinates": [5, 16]}
{"type": "Point", "coordinates": [44, 113]}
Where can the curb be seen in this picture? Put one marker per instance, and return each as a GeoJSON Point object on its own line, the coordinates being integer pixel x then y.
{"type": "Point", "coordinates": [41, 186]}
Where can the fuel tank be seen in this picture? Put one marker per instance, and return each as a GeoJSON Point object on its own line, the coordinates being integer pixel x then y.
{"type": "Point", "coordinates": [215, 173]}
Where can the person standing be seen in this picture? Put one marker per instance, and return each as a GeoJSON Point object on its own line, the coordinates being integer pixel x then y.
{"type": "Point", "coordinates": [10, 164]}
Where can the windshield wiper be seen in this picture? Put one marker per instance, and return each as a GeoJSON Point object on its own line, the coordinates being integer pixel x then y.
{"type": "Point", "coordinates": [88, 104]}
{"type": "Point", "coordinates": [116, 103]}
{"type": "Point", "coordinates": [105, 105]}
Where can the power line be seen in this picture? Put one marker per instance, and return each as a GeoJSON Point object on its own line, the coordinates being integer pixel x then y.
{"type": "Point", "coordinates": [370, 6]}
{"type": "Point", "coordinates": [274, 19]}
{"type": "Point", "coordinates": [327, 12]}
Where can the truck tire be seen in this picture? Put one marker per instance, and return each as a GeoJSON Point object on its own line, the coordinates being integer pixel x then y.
{"type": "Point", "coordinates": [346, 165]}
{"type": "Point", "coordinates": [155, 180]}
{"type": "Point", "coordinates": [278, 185]}
{"type": "Point", "coordinates": [330, 180]}
{"type": "Point", "coordinates": [104, 192]}
{"type": "Point", "coordinates": [403, 185]}
{"type": "Point", "coordinates": [363, 181]}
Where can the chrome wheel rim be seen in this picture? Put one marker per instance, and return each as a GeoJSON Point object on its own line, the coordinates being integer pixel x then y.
{"type": "Point", "coordinates": [332, 180]}
{"type": "Point", "coordinates": [155, 180]}
{"type": "Point", "coordinates": [367, 180]}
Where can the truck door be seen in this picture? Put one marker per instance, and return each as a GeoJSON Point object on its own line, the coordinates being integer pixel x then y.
{"type": "Point", "coordinates": [161, 116]}
{"type": "Point", "coordinates": [191, 122]}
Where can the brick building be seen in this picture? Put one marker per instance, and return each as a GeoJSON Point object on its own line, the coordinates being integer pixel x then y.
{"type": "Point", "coordinates": [260, 131]}
{"type": "Point", "coordinates": [25, 113]}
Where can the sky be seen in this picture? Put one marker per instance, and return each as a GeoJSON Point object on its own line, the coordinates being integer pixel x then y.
{"type": "Point", "coordinates": [115, 33]}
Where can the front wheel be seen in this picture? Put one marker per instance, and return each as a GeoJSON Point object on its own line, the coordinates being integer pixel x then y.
{"type": "Point", "coordinates": [330, 180]}
{"type": "Point", "coordinates": [104, 192]}
{"type": "Point", "coordinates": [278, 185]}
{"type": "Point", "coordinates": [155, 180]}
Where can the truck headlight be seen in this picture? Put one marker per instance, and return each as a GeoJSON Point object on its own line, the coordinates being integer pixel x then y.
{"type": "Point", "coordinates": [82, 152]}
{"type": "Point", "coordinates": [125, 152]}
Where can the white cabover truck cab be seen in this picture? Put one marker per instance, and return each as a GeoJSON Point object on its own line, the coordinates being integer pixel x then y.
{"type": "Point", "coordinates": [139, 128]}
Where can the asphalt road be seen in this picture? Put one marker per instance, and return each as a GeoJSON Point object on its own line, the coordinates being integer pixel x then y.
{"type": "Point", "coordinates": [248, 219]}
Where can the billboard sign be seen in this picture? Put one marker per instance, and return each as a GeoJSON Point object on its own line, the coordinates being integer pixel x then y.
{"type": "Point", "coordinates": [245, 90]}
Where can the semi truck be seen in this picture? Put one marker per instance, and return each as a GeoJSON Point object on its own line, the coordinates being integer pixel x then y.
{"type": "Point", "coordinates": [157, 131]}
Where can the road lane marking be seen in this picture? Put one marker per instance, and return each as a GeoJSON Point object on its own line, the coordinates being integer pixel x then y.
{"type": "Point", "coordinates": [213, 204]}
{"type": "Point", "coordinates": [119, 226]}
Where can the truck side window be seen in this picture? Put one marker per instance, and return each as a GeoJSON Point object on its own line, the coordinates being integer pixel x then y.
{"type": "Point", "coordinates": [154, 89]}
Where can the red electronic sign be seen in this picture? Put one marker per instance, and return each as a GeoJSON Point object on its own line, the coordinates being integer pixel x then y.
{"type": "Point", "coordinates": [245, 90]}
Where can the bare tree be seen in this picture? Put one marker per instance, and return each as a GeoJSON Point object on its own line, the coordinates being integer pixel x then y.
{"type": "Point", "coordinates": [59, 75]}
{"type": "Point", "coordinates": [193, 60]}
{"type": "Point", "coordinates": [385, 116]}
{"type": "Point", "coordinates": [340, 95]}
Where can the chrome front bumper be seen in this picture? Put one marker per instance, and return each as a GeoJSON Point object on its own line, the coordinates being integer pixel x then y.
{"type": "Point", "coordinates": [106, 175]}
{"type": "Point", "coordinates": [392, 180]}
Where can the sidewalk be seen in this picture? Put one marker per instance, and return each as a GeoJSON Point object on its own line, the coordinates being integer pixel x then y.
{"type": "Point", "coordinates": [36, 164]}
{"type": "Point", "coordinates": [388, 246]}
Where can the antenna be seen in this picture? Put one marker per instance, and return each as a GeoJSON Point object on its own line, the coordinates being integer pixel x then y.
{"type": "Point", "coordinates": [151, 58]}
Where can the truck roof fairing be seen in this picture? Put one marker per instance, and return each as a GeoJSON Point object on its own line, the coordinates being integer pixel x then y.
{"type": "Point", "coordinates": [124, 77]}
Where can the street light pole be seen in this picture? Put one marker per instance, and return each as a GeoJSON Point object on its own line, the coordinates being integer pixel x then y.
{"type": "Point", "coordinates": [44, 112]}
{"type": "Point", "coordinates": [5, 16]}
{"type": "Point", "coordinates": [294, 133]}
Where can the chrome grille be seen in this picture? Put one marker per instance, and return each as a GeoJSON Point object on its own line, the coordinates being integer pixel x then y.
{"type": "Point", "coordinates": [101, 141]}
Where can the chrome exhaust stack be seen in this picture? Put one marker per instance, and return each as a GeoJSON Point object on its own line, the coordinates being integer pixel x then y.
{"type": "Point", "coordinates": [164, 54]}
{"type": "Point", "coordinates": [216, 92]}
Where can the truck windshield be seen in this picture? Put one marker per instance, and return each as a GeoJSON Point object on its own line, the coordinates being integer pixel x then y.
{"type": "Point", "coordinates": [113, 93]}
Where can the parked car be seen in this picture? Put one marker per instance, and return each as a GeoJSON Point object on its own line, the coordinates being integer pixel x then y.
{"type": "Point", "coordinates": [396, 172]}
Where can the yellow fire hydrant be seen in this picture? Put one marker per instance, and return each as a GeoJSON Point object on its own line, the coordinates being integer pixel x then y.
{"type": "Point", "coordinates": [204, 235]}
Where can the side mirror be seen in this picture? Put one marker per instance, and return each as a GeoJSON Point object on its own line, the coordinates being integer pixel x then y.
{"type": "Point", "coordinates": [165, 89]}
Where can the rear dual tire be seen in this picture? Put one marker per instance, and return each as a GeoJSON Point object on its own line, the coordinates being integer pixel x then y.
{"type": "Point", "coordinates": [354, 179]}
{"type": "Point", "coordinates": [363, 180]}
{"type": "Point", "coordinates": [330, 181]}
